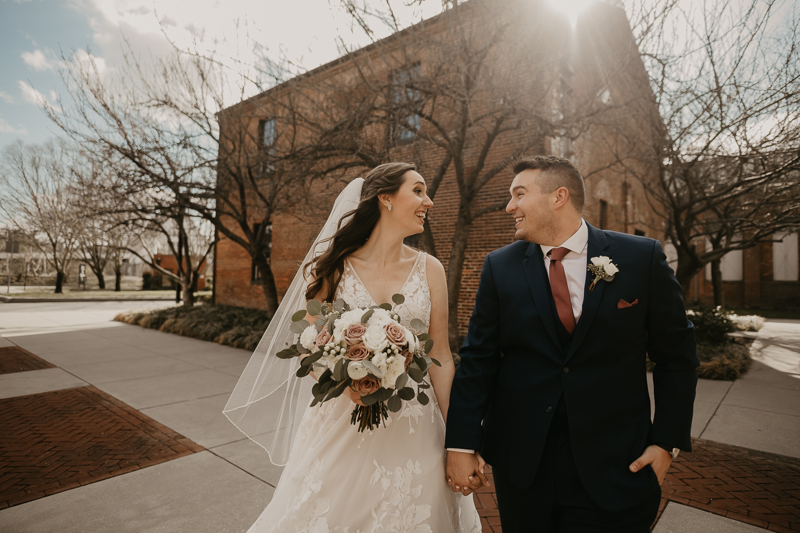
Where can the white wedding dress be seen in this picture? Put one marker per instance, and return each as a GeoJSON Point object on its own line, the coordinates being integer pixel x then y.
{"type": "Point", "coordinates": [392, 479]}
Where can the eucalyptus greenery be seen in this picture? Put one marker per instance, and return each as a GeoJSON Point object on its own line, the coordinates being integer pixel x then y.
{"type": "Point", "coordinates": [331, 382]}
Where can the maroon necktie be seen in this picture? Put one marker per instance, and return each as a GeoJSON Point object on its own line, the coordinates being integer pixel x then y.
{"type": "Point", "coordinates": [558, 284]}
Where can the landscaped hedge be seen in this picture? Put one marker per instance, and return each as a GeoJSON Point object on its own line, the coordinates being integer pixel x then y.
{"type": "Point", "coordinates": [722, 357]}
{"type": "Point", "coordinates": [233, 326]}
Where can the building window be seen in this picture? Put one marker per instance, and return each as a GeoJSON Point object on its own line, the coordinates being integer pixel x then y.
{"type": "Point", "coordinates": [731, 265]}
{"type": "Point", "coordinates": [603, 214]}
{"type": "Point", "coordinates": [638, 232]}
{"type": "Point", "coordinates": [785, 257]}
{"type": "Point", "coordinates": [267, 133]}
{"type": "Point", "coordinates": [406, 101]}
{"type": "Point", "coordinates": [265, 246]}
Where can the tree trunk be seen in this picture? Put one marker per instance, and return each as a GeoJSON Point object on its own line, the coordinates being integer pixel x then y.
{"type": "Point", "coordinates": [426, 243]}
{"type": "Point", "coordinates": [59, 282]}
{"type": "Point", "coordinates": [178, 294]}
{"type": "Point", "coordinates": [188, 298]}
{"type": "Point", "coordinates": [716, 281]}
{"type": "Point", "coordinates": [687, 268]}
{"type": "Point", "coordinates": [267, 284]}
{"type": "Point", "coordinates": [188, 294]}
{"type": "Point", "coordinates": [101, 279]}
{"type": "Point", "coordinates": [455, 269]}
{"type": "Point", "coordinates": [117, 280]}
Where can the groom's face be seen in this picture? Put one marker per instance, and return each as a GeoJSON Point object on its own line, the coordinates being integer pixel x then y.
{"type": "Point", "coordinates": [534, 217]}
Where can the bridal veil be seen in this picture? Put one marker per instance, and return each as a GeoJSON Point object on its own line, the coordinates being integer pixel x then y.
{"type": "Point", "coordinates": [269, 401]}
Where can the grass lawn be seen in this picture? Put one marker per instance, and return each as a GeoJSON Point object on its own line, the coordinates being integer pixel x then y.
{"type": "Point", "coordinates": [73, 293]}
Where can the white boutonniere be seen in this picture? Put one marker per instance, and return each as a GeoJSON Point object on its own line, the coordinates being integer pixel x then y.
{"type": "Point", "coordinates": [602, 269]}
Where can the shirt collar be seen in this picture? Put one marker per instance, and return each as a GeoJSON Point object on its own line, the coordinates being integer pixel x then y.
{"type": "Point", "coordinates": [576, 243]}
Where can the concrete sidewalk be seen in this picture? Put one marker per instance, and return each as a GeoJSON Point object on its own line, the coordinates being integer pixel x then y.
{"type": "Point", "coordinates": [180, 382]}
{"type": "Point", "coordinates": [184, 384]}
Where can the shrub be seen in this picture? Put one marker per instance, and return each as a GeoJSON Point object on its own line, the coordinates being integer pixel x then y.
{"type": "Point", "coordinates": [711, 326]}
{"type": "Point", "coordinates": [223, 324]}
{"type": "Point", "coordinates": [723, 362]}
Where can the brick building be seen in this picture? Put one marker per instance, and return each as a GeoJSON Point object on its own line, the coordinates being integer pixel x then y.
{"type": "Point", "coordinates": [592, 70]}
{"type": "Point", "coordinates": [766, 276]}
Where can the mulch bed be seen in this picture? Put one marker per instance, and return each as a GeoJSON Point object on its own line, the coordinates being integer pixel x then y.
{"type": "Point", "coordinates": [757, 488]}
{"type": "Point", "coordinates": [59, 440]}
{"type": "Point", "coordinates": [15, 359]}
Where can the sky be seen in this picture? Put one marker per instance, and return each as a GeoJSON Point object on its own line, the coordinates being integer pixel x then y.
{"type": "Point", "coordinates": [34, 34]}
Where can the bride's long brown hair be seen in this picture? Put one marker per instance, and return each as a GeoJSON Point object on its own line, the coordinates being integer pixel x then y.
{"type": "Point", "coordinates": [327, 269]}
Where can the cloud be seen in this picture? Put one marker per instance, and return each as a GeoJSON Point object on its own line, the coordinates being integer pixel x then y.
{"type": "Point", "coordinates": [84, 60]}
{"type": "Point", "coordinates": [7, 98]}
{"type": "Point", "coordinates": [5, 127]}
{"type": "Point", "coordinates": [37, 60]}
{"type": "Point", "coordinates": [32, 96]}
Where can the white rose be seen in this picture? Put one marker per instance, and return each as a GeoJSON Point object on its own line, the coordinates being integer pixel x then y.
{"type": "Point", "coordinates": [343, 322]}
{"type": "Point", "coordinates": [375, 338]}
{"type": "Point", "coordinates": [380, 317]}
{"type": "Point", "coordinates": [380, 361]}
{"type": "Point", "coordinates": [331, 361]}
{"type": "Point", "coordinates": [308, 338]}
{"type": "Point", "coordinates": [395, 367]}
{"type": "Point", "coordinates": [601, 261]}
{"type": "Point", "coordinates": [611, 269]}
{"type": "Point", "coordinates": [356, 370]}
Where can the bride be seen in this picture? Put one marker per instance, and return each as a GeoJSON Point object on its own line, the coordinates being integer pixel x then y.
{"type": "Point", "coordinates": [391, 479]}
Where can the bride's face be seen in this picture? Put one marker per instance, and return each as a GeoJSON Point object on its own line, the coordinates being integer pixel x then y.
{"type": "Point", "coordinates": [410, 204]}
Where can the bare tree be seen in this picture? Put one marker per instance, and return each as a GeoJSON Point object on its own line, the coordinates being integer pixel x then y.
{"type": "Point", "coordinates": [726, 77]}
{"type": "Point", "coordinates": [462, 95]}
{"type": "Point", "coordinates": [36, 184]}
{"type": "Point", "coordinates": [161, 125]}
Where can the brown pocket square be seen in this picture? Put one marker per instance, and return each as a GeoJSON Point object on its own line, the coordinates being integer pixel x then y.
{"type": "Point", "coordinates": [622, 304]}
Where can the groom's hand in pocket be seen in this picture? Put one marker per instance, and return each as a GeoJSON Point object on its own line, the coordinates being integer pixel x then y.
{"type": "Point", "coordinates": [655, 456]}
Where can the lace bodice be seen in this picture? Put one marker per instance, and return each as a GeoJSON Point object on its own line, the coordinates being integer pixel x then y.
{"type": "Point", "coordinates": [415, 289]}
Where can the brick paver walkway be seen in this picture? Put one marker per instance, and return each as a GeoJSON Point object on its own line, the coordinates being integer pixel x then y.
{"type": "Point", "coordinates": [758, 488]}
{"type": "Point", "coordinates": [59, 440]}
{"type": "Point", "coordinates": [16, 359]}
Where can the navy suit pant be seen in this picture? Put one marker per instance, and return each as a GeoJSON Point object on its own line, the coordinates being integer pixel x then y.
{"type": "Point", "coordinates": [557, 502]}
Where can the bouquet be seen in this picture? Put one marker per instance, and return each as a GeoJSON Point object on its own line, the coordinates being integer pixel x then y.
{"type": "Point", "coordinates": [367, 350]}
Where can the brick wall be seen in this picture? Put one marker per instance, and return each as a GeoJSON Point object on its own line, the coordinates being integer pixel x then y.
{"type": "Point", "coordinates": [628, 210]}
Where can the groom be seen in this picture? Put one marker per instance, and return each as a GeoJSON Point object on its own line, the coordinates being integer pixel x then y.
{"type": "Point", "coordinates": [552, 385]}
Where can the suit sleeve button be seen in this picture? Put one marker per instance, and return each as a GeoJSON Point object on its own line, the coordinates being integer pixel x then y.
{"type": "Point", "coordinates": [566, 370]}
{"type": "Point", "coordinates": [549, 408]}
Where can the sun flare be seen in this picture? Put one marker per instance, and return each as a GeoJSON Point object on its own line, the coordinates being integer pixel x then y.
{"type": "Point", "coordinates": [571, 8]}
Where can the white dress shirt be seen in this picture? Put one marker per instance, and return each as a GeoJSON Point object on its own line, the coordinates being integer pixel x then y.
{"type": "Point", "coordinates": [574, 264]}
{"type": "Point", "coordinates": [575, 268]}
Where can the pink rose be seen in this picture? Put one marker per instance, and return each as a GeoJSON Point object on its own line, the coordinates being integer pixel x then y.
{"type": "Point", "coordinates": [354, 332]}
{"type": "Point", "coordinates": [358, 352]}
{"type": "Point", "coordinates": [395, 333]}
{"type": "Point", "coordinates": [323, 338]}
{"type": "Point", "coordinates": [365, 385]}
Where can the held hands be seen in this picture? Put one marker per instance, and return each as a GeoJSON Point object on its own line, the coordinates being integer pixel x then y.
{"type": "Point", "coordinates": [655, 456]}
{"type": "Point", "coordinates": [465, 472]}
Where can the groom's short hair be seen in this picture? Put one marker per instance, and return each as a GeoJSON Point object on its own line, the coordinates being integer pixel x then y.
{"type": "Point", "coordinates": [555, 172]}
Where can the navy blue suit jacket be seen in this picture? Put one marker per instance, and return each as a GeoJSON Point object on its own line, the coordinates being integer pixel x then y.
{"type": "Point", "coordinates": [514, 368]}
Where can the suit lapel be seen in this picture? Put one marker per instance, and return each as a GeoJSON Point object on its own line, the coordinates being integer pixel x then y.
{"type": "Point", "coordinates": [538, 283]}
{"type": "Point", "coordinates": [591, 299]}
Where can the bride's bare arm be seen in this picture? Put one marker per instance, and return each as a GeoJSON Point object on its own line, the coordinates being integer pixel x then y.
{"type": "Point", "coordinates": [441, 377]}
